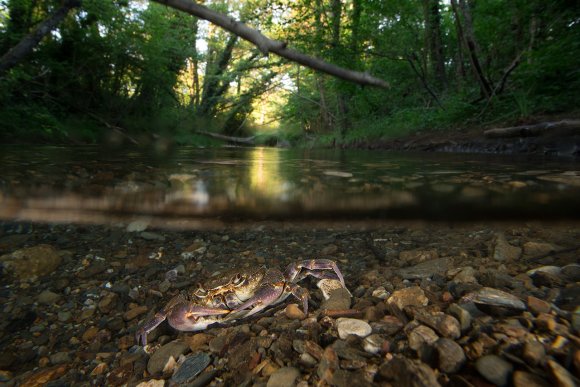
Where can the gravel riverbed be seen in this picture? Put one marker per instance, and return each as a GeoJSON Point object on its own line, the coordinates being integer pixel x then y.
{"type": "Point", "coordinates": [429, 304]}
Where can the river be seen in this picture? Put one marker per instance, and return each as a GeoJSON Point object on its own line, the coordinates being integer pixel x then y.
{"type": "Point", "coordinates": [192, 187]}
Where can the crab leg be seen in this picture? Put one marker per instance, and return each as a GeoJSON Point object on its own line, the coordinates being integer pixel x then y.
{"type": "Point", "coordinates": [293, 270]}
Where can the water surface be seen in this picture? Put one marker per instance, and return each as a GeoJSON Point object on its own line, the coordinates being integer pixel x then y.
{"type": "Point", "coordinates": [197, 187]}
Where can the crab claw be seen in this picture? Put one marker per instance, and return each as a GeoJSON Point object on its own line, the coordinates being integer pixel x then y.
{"type": "Point", "coordinates": [293, 270]}
{"type": "Point", "coordinates": [191, 317]}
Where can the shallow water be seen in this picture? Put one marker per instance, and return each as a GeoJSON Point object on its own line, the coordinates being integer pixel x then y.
{"type": "Point", "coordinates": [191, 187]}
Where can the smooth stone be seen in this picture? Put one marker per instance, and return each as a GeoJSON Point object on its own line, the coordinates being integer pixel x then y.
{"type": "Point", "coordinates": [418, 256]}
{"type": "Point", "coordinates": [572, 272]}
{"type": "Point", "coordinates": [450, 354]}
{"type": "Point", "coordinates": [426, 269]}
{"type": "Point", "coordinates": [152, 236]}
{"type": "Point", "coordinates": [48, 298]}
{"type": "Point", "coordinates": [537, 306]}
{"type": "Point", "coordinates": [534, 353]}
{"type": "Point", "coordinates": [495, 297]}
{"type": "Point", "coordinates": [64, 316]}
{"type": "Point", "coordinates": [60, 358]}
{"type": "Point", "coordinates": [420, 337]}
{"type": "Point", "coordinates": [555, 270]}
{"type": "Point", "coordinates": [537, 249]}
{"type": "Point", "coordinates": [526, 379]}
{"type": "Point", "coordinates": [494, 369]}
{"type": "Point", "coordinates": [503, 251]}
{"type": "Point", "coordinates": [421, 340]}
{"type": "Point", "coordinates": [373, 344]}
{"type": "Point", "coordinates": [562, 377]}
{"type": "Point", "coordinates": [159, 359]}
{"type": "Point", "coordinates": [414, 296]}
{"type": "Point", "coordinates": [285, 376]}
{"type": "Point", "coordinates": [576, 320]}
{"type": "Point", "coordinates": [293, 312]}
{"type": "Point", "coordinates": [408, 373]}
{"type": "Point", "coordinates": [152, 383]}
{"type": "Point", "coordinates": [444, 324]}
{"type": "Point", "coordinates": [462, 315]}
{"type": "Point", "coordinates": [352, 326]}
{"type": "Point", "coordinates": [190, 368]}
{"type": "Point", "coordinates": [466, 276]}
{"type": "Point", "coordinates": [338, 299]}
{"type": "Point", "coordinates": [32, 262]}
{"type": "Point", "coordinates": [133, 313]}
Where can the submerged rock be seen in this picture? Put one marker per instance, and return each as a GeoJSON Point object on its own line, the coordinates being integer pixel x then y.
{"type": "Point", "coordinates": [495, 369]}
{"type": "Point", "coordinates": [32, 262]}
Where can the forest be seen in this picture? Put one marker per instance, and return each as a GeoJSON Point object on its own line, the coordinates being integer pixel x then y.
{"type": "Point", "coordinates": [135, 71]}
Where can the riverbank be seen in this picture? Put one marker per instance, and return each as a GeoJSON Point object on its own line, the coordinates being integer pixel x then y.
{"type": "Point", "coordinates": [555, 137]}
{"type": "Point", "coordinates": [432, 304]}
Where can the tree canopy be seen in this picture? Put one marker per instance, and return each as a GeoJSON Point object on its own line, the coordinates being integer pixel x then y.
{"type": "Point", "coordinates": [134, 70]}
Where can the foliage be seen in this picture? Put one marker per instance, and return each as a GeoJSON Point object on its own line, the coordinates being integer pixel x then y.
{"type": "Point", "coordinates": [146, 71]}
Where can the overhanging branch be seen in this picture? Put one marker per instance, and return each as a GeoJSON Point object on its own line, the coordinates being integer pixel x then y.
{"type": "Point", "coordinates": [267, 45]}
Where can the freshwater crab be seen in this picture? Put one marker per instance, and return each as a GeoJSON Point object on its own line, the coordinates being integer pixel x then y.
{"type": "Point", "coordinates": [238, 294]}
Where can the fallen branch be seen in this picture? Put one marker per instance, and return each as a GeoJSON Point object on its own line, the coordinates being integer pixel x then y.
{"type": "Point", "coordinates": [238, 140]}
{"type": "Point", "coordinates": [534, 130]}
{"type": "Point", "coordinates": [267, 45]}
{"type": "Point", "coordinates": [17, 53]}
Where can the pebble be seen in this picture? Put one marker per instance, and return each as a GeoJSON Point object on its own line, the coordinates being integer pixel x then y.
{"type": "Point", "coordinates": [444, 324]}
{"type": "Point", "coordinates": [534, 352]}
{"type": "Point", "coordinates": [32, 262]}
{"type": "Point", "coordinates": [134, 312]}
{"type": "Point", "coordinates": [338, 299]}
{"type": "Point", "coordinates": [152, 383]}
{"type": "Point", "coordinates": [374, 344]}
{"type": "Point", "coordinates": [414, 296]}
{"type": "Point", "coordinates": [190, 368]}
{"type": "Point", "coordinates": [527, 379]}
{"type": "Point", "coordinates": [450, 354]}
{"type": "Point", "coordinates": [407, 372]}
{"type": "Point", "coordinates": [562, 377]}
{"type": "Point", "coordinates": [285, 376]}
{"type": "Point", "coordinates": [47, 297]}
{"type": "Point", "coordinates": [537, 306]}
{"type": "Point", "coordinates": [537, 249]}
{"type": "Point", "coordinates": [64, 316]}
{"type": "Point", "coordinates": [159, 359]}
{"type": "Point", "coordinates": [495, 369]}
{"type": "Point", "coordinates": [414, 257]}
{"type": "Point", "coordinates": [572, 272]}
{"type": "Point", "coordinates": [495, 297]}
{"type": "Point", "coordinates": [462, 315]}
{"type": "Point", "coordinates": [426, 269]}
{"type": "Point", "coordinates": [503, 251]}
{"type": "Point", "coordinates": [466, 276]}
{"type": "Point", "coordinates": [422, 337]}
{"type": "Point", "coordinates": [351, 326]}
{"type": "Point", "coordinates": [293, 312]}
{"type": "Point", "coordinates": [60, 358]}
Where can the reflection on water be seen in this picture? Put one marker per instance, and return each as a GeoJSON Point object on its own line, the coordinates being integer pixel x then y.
{"type": "Point", "coordinates": [86, 184]}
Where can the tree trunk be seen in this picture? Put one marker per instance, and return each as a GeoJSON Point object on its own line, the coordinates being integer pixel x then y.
{"type": "Point", "coordinates": [17, 53]}
{"type": "Point", "coordinates": [267, 45]}
{"type": "Point", "coordinates": [433, 42]}
{"type": "Point", "coordinates": [468, 38]}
